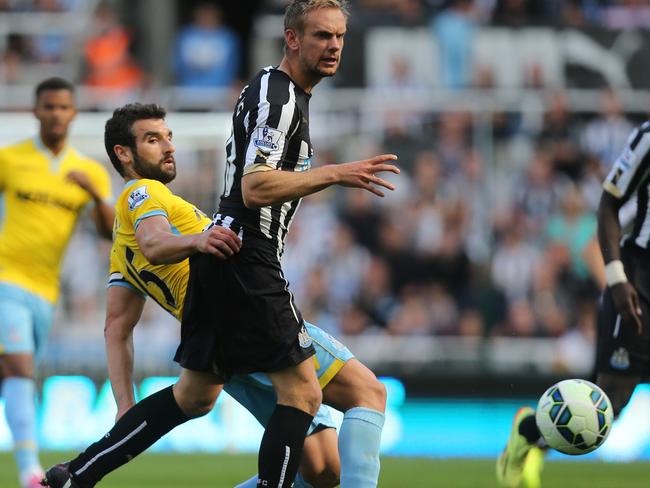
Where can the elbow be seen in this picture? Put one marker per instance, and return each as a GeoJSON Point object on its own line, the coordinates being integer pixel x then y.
{"type": "Point", "coordinates": [151, 255]}
{"type": "Point", "coordinates": [253, 200]}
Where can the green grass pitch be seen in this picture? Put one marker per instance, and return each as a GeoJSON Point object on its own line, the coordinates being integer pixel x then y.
{"type": "Point", "coordinates": [225, 471]}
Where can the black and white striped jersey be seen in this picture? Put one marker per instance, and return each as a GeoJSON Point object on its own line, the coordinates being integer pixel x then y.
{"type": "Point", "coordinates": [629, 178]}
{"type": "Point", "coordinates": [270, 131]}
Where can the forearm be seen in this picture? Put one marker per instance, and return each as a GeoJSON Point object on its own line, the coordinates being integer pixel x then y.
{"type": "Point", "coordinates": [119, 353]}
{"type": "Point", "coordinates": [163, 247]}
{"type": "Point", "coordinates": [265, 188]}
{"type": "Point", "coordinates": [609, 228]}
{"type": "Point", "coordinates": [104, 218]}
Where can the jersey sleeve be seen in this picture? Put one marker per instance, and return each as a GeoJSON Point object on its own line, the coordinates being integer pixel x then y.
{"type": "Point", "coordinates": [266, 145]}
{"type": "Point", "coordinates": [631, 167]}
{"type": "Point", "coordinates": [146, 199]}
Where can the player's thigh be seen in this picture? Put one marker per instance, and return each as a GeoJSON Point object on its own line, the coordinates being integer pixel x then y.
{"type": "Point", "coordinates": [320, 465]}
{"type": "Point", "coordinates": [619, 388]}
{"type": "Point", "coordinates": [355, 386]}
{"type": "Point", "coordinates": [298, 386]}
{"type": "Point", "coordinates": [25, 321]}
{"type": "Point", "coordinates": [196, 391]}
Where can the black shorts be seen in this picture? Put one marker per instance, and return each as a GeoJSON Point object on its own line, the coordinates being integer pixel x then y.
{"type": "Point", "coordinates": [620, 349]}
{"type": "Point", "coordinates": [239, 316]}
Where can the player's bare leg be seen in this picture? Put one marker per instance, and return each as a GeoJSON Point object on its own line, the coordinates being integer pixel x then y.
{"type": "Point", "coordinates": [196, 392]}
{"type": "Point", "coordinates": [18, 391]}
{"type": "Point", "coordinates": [356, 391]}
{"type": "Point", "coordinates": [320, 466]}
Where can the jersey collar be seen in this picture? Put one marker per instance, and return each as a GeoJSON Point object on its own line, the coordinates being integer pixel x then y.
{"type": "Point", "coordinates": [53, 159]}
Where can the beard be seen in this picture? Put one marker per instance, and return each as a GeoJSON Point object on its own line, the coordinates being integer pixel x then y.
{"type": "Point", "coordinates": [153, 171]}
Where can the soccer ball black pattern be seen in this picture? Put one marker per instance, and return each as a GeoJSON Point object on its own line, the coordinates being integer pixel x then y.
{"type": "Point", "coordinates": [574, 416]}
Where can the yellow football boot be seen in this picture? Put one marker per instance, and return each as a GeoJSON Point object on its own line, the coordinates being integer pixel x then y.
{"type": "Point", "coordinates": [510, 465]}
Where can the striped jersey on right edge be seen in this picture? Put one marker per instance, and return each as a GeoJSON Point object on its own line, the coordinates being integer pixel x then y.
{"type": "Point", "coordinates": [629, 177]}
{"type": "Point", "coordinates": [270, 132]}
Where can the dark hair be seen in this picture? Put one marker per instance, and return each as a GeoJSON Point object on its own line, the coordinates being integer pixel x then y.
{"type": "Point", "coordinates": [119, 128]}
{"type": "Point", "coordinates": [54, 83]}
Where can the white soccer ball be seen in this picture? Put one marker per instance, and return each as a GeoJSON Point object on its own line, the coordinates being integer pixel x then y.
{"type": "Point", "coordinates": [574, 416]}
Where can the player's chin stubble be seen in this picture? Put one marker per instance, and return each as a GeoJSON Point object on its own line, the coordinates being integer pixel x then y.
{"type": "Point", "coordinates": [154, 172]}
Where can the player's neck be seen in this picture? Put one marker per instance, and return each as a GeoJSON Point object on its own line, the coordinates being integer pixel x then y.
{"type": "Point", "coordinates": [54, 144]}
{"type": "Point", "coordinates": [299, 76]}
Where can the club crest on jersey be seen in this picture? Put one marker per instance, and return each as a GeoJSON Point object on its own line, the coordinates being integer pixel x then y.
{"type": "Point", "coordinates": [267, 139]}
{"type": "Point", "coordinates": [620, 359]}
{"type": "Point", "coordinates": [304, 339]}
{"type": "Point", "coordinates": [137, 197]}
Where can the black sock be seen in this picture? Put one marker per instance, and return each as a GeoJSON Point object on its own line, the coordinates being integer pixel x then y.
{"type": "Point", "coordinates": [145, 423]}
{"type": "Point", "coordinates": [281, 447]}
{"type": "Point", "coordinates": [528, 428]}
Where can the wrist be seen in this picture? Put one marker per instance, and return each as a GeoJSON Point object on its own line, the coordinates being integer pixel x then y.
{"type": "Point", "coordinates": [333, 174]}
{"type": "Point", "coordinates": [615, 273]}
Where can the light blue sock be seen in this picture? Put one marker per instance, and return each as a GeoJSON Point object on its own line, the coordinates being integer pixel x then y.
{"type": "Point", "coordinates": [20, 411]}
{"type": "Point", "coordinates": [252, 483]}
{"type": "Point", "coordinates": [359, 440]}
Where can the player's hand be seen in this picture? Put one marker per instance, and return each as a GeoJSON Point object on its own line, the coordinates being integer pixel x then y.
{"type": "Point", "coordinates": [626, 302]}
{"type": "Point", "coordinates": [219, 241]}
{"type": "Point", "coordinates": [82, 180]}
{"type": "Point", "coordinates": [363, 174]}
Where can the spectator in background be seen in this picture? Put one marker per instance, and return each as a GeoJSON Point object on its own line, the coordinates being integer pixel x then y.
{"type": "Point", "coordinates": [454, 30]}
{"type": "Point", "coordinates": [519, 13]}
{"type": "Point", "coordinates": [560, 134]}
{"type": "Point", "coordinates": [49, 48]}
{"type": "Point", "coordinates": [537, 193]}
{"type": "Point", "coordinates": [570, 230]}
{"type": "Point", "coordinates": [207, 52]}
{"type": "Point", "coordinates": [109, 64]}
{"type": "Point", "coordinates": [605, 136]}
{"type": "Point", "coordinates": [515, 262]}
{"type": "Point", "coordinates": [13, 61]}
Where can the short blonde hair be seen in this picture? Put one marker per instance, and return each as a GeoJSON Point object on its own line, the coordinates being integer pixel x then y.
{"type": "Point", "coordinates": [296, 11]}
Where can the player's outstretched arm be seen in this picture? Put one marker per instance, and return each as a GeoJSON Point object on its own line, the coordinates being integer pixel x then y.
{"type": "Point", "coordinates": [624, 295]}
{"type": "Point", "coordinates": [161, 246]}
{"type": "Point", "coordinates": [264, 188]}
{"type": "Point", "coordinates": [123, 310]}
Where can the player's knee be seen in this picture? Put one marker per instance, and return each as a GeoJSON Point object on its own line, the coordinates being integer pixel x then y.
{"type": "Point", "coordinates": [306, 397]}
{"type": "Point", "coordinates": [376, 395]}
{"type": "Point", "coordinates": [197, 406]}
{"type": "Point", "coordinates": [18, 366]}
{"type": "Point", "coordinates": [313, 398]}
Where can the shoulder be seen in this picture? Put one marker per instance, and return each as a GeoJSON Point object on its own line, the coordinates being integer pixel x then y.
{"type": "Point", "coordinates": [144, 189]}
{"type": "Point", "coordinates": [20, 147]}
{"type": "Point", "coordinates": [86, 163]}
{"type": "Point", "coordinates": [274, 86]}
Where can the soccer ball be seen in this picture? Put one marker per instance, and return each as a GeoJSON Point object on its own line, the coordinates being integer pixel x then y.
{"type": "Point", "coordinates": [574, 416]}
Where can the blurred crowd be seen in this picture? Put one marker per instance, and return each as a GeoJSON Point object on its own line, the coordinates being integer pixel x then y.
{"type": "Point", "coordinates": [100, 43]}
{"type": "Point", "coordinates": [478, 240]}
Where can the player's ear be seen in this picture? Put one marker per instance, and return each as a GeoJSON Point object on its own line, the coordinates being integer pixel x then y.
{"type": "Point", "coordinates": [123, 153]}
{"type": "Point", "coordinates": [291, 39]}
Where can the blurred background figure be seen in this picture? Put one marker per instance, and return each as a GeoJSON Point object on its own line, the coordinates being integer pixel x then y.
{"type": "Point", "coordinates": [207, 52]}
